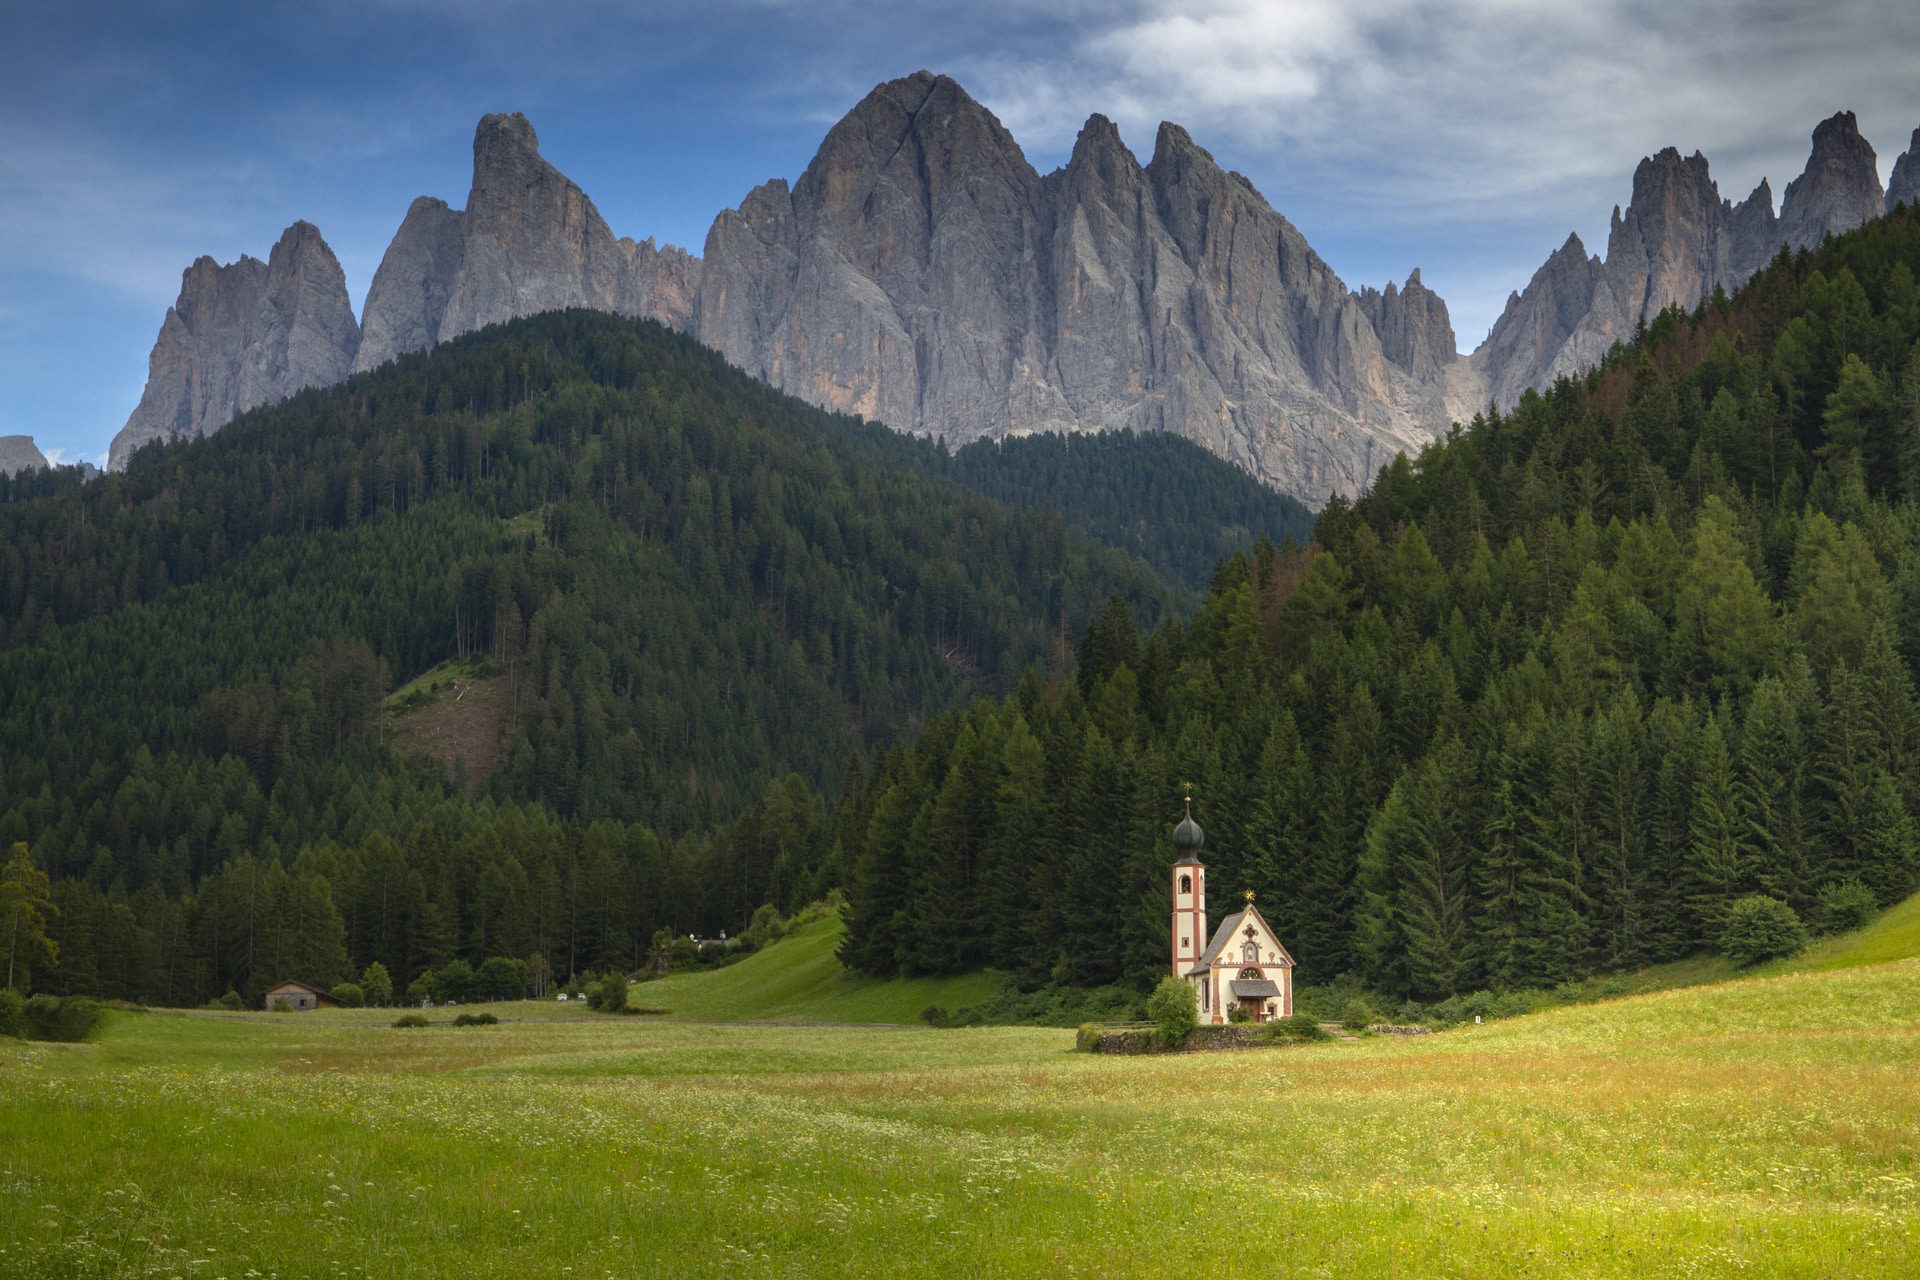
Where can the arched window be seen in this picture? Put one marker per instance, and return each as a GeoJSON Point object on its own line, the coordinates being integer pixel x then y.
{"type": "Point", "coordinates": [1250, 974]}
{"type": "Point", "coordinates": [1250, 953]}
{"type": "Point", "coordinates": [1186, 884]}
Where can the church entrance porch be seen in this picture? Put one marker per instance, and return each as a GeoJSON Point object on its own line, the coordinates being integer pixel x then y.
{"type": "Point", "coordinates": [1255, 995]}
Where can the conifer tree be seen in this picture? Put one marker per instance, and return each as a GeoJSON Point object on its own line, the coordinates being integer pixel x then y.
{"type": "Point", "coordinates": [1433, 860]}
{"type": "Point", "coordinates": [1773, 784]}
{"type": "Point", "coordinates": [1848, 763]}
{"type": "Point", "coordinates": [879, 893]}
{"type": "Point", "coordinates": [1617, 783]}
{"type": "Point", "coordinates": [1094, 903]}
{"type": "Point", "coordinates": [1673, 732]}
{"type": "Point", "coordinates": [26, 904]}
{"type": "Point", "coordinates": [1719, 863]}
{"type": "Point", "coordinates": [1545, 910]}
{"type": "Point", "coordinates": [1278, 830]}
{"type": "Point", "coordinates": [1355, 775]}
{"type": "Point", "coordinates": [1020, 855]}
{"type": "Point", "coordinates": [1887, 686]}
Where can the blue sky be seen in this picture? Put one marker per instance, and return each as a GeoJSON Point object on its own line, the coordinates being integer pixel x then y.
{"type": "Point", "coordinates": [1464, 138]}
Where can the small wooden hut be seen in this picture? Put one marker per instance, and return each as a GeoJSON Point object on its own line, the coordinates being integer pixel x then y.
{"type": "Point", "coordinates": [299, 997]}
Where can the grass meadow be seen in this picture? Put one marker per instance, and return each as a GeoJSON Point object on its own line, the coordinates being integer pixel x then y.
{"type": "Point", "coordinates": [1763, 1127]}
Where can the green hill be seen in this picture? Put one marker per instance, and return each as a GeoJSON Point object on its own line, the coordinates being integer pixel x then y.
{"type": "Point", "coordinates": [692, 585]}
{"type": "Point", "coordinates": [1894, 935]}
{"type": "Point", "coordinates": [800, 979]}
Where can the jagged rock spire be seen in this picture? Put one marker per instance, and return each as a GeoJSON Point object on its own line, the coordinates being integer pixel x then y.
{"type": "Point", "coordinates": [247, 334]}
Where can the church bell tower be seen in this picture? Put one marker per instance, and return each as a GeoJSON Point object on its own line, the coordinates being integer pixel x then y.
{"type": "Point", "coordinates": [1189, 894]}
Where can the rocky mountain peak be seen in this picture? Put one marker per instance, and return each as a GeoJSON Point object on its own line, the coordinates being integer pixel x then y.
{"type": "Point", "coordinates": [19, 453]}
{"type": "Point", "coordinates": [1174, 149]}
{"type": "Point", "coordinates": [1839, 189]}
{"type": "Point", "coordinates": [1415, 330]}
{"type": "Point", "coordinates": [248, 334]}
{"type": "Point", "coordinates": [920, 272]}
{"type": "Point", "coordinates": [1098, 146]}
{"type": "Point", "coordinates": [506, 162]}
{"type": "Point", "coordinates": [1904, 186]}
{"type": "Point", "coordinates": [408, 297]}
{"type": "Point", "coordinates": [528, 241]}
{"type": "Point", "coordinates": [1669, 247]}
{"type": "Point", "coordinates": [922, 137]}
{"type": "Point", "coordinates": [892, 281]}
{"type": "Point", "coordinates": [1673, 245]}
{"type": "Point", "coordinates": [1545, 328]}
{"type": "Point", "coordinates": [1101, 170]}
{"type": "Point", "coordinates": [503, 134]}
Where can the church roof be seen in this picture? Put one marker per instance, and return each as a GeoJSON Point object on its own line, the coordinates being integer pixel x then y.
{"type": "Point", "coordinates": [1225, 934]}
{"type": "Point", "coordinates": [1187, 839]}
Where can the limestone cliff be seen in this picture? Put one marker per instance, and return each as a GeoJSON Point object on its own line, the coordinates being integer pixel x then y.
{"type": "Point", "coordinates": [408, 297]}
{"type": "Point", "coordinates": [18, 453]}
{"type": "Point", "coordinates": [247, 334]}
{"type": "Point", "coordinates": [1903, 187]}
{"type": "Point", "coordinates": [1677, 242]}
{"type": "Point", "coordinates": [919, 272]}
{"type": "Point", "coordinates": [1838, 190]}
{"type": "Point", "coordinates": [528, 241]}
{"type": "Point", "coordinates": [922, 273]}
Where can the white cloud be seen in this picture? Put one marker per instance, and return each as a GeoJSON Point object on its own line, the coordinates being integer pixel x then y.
{"type": "Point", "coordinates": [62, 458]}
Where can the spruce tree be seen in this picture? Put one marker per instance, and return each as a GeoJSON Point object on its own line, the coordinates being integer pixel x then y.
{"type": "Point", "coordinates": [879, 892]}
{"type": "Point", "coordinates": [1548, 910]}
{"type": "Point", "coordinates": [1719, 862]}
{"type": "Point", "coordinates": [1848, 763]}
{"type": "Point", "coordinates": [1773, 770]}
{"type": "Point", "coordinates": [1433, 869]}
{"type": "Point", "coordinates": [1617, 782]}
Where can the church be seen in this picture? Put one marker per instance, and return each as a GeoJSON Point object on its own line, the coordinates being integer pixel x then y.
{"type": "Point", "coordinates": [1243, 962]}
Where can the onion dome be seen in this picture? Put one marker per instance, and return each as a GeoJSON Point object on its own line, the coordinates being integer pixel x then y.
{"type": "Point", "coordinates": [1187, 839]}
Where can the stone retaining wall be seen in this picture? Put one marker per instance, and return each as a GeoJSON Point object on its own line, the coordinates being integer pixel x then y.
{"type": "Point", "coordinates": [1234, 1036]}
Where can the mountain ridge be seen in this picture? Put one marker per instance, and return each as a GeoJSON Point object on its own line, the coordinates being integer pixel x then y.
{"type": "Point", "coordinates": [1678, 241]}
{"type": "Point", "coordinates": [1104, 295]}
{"type": "Point", "coordinates": [922, 273]}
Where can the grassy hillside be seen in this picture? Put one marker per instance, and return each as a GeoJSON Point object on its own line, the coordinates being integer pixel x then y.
{"type": "Point", "coordinates": [800, 979]}
{"type": "Point", "coordinates": [1894, 935]}
{"type": "Point", "coordinates": [1760, 1128]}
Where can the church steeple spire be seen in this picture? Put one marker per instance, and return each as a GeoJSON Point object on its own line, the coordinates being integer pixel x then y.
{"type": "Point", "coordinates": [1189, 892]}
